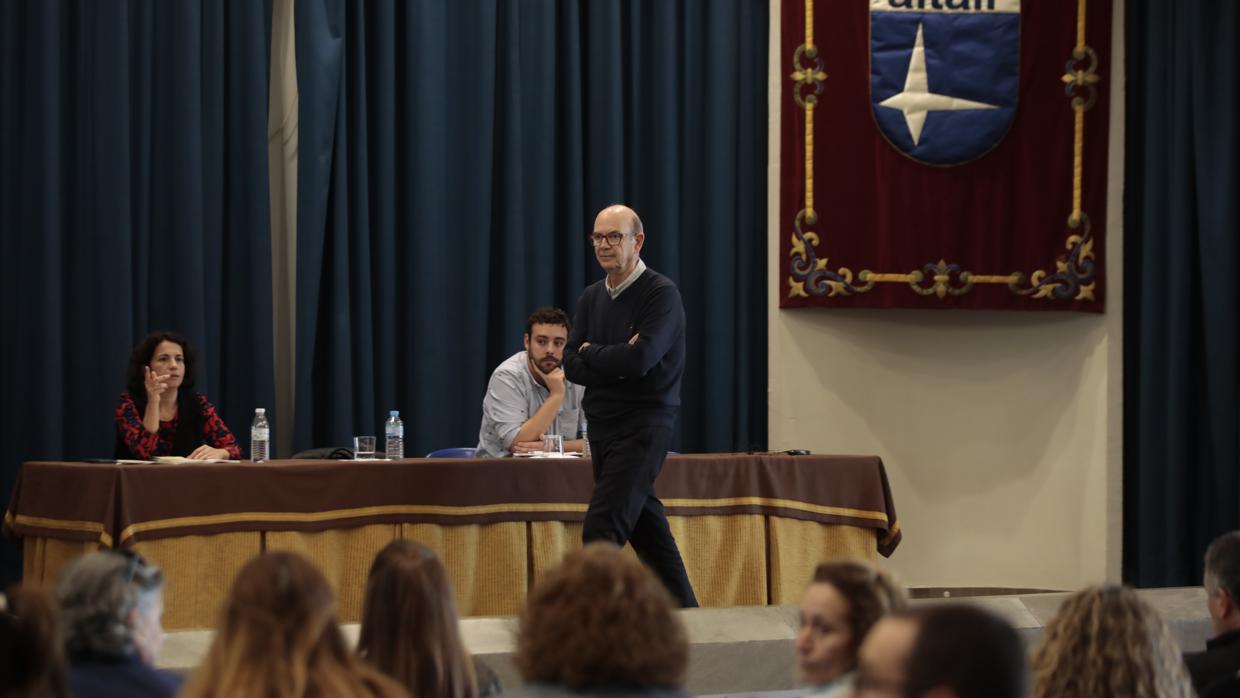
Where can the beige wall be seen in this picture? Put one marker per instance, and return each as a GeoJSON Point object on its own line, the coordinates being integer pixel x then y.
{"type": "Point", "coordinates": [1000, 431]}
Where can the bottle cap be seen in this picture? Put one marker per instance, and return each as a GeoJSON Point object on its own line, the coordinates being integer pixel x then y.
{"type": "Point", "coordinates": [260, 410]}
{"type": "Point", "coordinates": [394, 413]}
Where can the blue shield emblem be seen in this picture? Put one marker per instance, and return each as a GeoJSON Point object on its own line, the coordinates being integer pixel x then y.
{"type": "Point", "coordinates": [944, 75]}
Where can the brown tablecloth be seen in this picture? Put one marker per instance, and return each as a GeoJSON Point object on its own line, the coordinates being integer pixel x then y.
{"type": "Point", "coordinates": [119, 505]}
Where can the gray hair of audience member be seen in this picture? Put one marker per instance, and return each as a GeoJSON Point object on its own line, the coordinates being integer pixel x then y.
{"type": "Point", "coordinates": [1223, 565]}
{"type": "Point", "coordinates": [974, 652]}
{"type": "Point", "coordinates": [98, 595]}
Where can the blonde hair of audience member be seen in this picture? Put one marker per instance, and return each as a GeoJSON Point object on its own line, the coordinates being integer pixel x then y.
{"type": "Point", "coordinates": [601, 619]}
{"type": "Point", "coordinates": [32, 659]}
{"type": "Point", "coordinates": [842, 602]}
{"type": "Point", "coordinates": [1106, 642]}
{"type": "Point", "coordinates": [410, 628]}
{"type": "Point", "coordinates": [278, 637]}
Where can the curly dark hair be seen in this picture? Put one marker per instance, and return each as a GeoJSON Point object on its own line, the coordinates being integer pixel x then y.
{"type": "Point", "coordinates": [601, 619]}
{"type": "Point", "coordinates": [140, 357]}
{"type": "Point", "coordinates": [870, 593]}
{"type": "Point", "coordinates": [547, 315]}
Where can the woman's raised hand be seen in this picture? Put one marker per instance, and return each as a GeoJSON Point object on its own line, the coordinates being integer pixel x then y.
{"type": "Point", "coordinates": [155, 384]}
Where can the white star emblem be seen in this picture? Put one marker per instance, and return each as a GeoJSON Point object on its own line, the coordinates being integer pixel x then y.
{"type": "Point", "coordinates": [917, 100]}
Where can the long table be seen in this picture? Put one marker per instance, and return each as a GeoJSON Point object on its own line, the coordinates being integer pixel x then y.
{"type": "Point", "coordinates": [751, 527]}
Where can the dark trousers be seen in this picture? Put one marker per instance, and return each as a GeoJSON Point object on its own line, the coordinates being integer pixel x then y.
{"type": "Point", "coordinates": [624, 508]}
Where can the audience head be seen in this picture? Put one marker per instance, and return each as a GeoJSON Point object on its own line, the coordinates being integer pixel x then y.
{"type": "Point", "coordinates": [840, 605]}
{"type": "Point", "coordinates": [942, 651]}
{"type": "Point", "coordinates": [32, 662]}
{"type": "Point", "coordinates": [410, 629]}
{"type": "Point", "coordinates": [1222, 582]}
{"type": "Point", "coordinates": [602, 619]}
{"type": "Point", "coordinates": [111, 603]}
{"type": "Point", "coordinates": [145, 354]}
{"type": "Point", "coordinates": [1106, 642]}
{"type": "Point", "coordinates": [278, 637]}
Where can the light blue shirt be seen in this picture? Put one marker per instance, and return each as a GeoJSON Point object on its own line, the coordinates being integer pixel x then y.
{"type": "Point", "coordinates": [513, 396]}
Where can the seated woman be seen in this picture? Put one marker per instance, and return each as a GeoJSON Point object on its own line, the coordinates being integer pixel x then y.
{"type": "Point", "coordinates": [111, 604]}
{"type": "Point", "coordinates": [840, 605]}
{"type": "Point", "coordinates": [278, 638]}
{"type": "Point", "coordinates": [410, 629]}
{"type": "Point", "coordinates": [161, 415]}
{"type": "Point", "coordinates": [1107, 642]}
{"type": "Point", "coordinates": [602, 624]}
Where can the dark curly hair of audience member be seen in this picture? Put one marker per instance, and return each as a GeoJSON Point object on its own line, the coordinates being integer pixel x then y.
{"type": "Point", "coordinates": [410, 628]}
{"type": "Point", "coordinates": [1106, 642]}
{"type": "Point", "coordinates": [601, 619]}
{"type": "Point", "coordinates": [278, 637]}
{"type": "Point", "coordinates": [32, 659]}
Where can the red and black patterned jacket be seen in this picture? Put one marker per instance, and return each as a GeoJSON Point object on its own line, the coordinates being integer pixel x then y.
{"type": "Point", "coordinates": [146, 445]}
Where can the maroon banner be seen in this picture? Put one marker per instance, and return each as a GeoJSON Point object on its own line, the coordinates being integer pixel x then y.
{"type": "Point", "coordinates": [944, 153]}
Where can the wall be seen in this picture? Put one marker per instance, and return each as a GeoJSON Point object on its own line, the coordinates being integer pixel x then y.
{"type": "Point", "coordinates": [1000, 431]}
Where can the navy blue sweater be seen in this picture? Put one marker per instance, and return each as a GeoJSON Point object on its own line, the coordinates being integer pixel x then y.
{"type": "Point", "coordinates": [628, 385]}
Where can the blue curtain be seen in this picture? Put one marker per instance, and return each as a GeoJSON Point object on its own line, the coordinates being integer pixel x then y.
{"type": "Point", "coordinates": [1182, 252]}
{"type": "Point", "coordinates": [133, 197]}
{"type": "Point", "coordinates": [452, 156]}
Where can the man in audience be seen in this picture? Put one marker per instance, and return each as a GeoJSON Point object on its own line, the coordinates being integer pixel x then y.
{"type": "Point", "coordinates": [528, 396]}
{"type": "Point", "coordinates": [627, 348]}
{"type": "Point", "coordinates": [1221, 658]}
{"type": "Point", "coordinates": [942, 651]}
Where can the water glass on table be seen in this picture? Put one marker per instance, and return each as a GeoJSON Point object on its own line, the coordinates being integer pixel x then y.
{"type": "Point", "coordinates": [363, 448]}
{"type": "Point", "coordinates": [553, 445]}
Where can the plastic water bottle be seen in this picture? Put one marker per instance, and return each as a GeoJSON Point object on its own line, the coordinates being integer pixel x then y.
{"type": "Point", "coordinates": [585, 441]}
{"type": "Point", "coordinates": [395, 431]}
{"type": "Point", "coordinates": [260, 436]}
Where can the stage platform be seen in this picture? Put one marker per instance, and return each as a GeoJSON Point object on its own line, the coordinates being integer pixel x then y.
{"type": "Point", "coordinates": [747, 650]}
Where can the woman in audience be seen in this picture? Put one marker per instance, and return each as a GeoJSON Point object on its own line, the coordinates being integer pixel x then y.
{"type": "Point", "coordinates": [1106, 642]}
{"type": "Point", "coordinates": [278, 638]}
{"type": "Point", "coordinates": [600, 624]}
{"type": "Point", "coordinates": [111, 604]}
{"type": "Point", "coordinates": [840, 605]}
{"type": "Point", "coordinates": [410, 628]}
{"type": "Point", "coordinates": [161, 415]}
{"type": "Point", "coordinates": [32, 661]}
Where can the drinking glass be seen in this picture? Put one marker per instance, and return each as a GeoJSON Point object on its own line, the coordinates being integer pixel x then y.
{"type": "Point", "coordinates": [363, 447]}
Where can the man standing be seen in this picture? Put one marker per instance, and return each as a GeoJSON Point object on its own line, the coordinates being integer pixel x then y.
{"type": "Point", "coordinates": [1221, 659]}
{"type": "Point", "coordinates": [627, 347]}
{"type": "Point", "coordinates": [528, 396]}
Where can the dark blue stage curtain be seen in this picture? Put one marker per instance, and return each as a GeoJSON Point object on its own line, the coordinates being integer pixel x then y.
{"type": "Point", "coordinates": [133, 196]}
{"type": "Point", "coordinates": [452, 157]}
{"type": "Point", "coordinates": [1181, 289]}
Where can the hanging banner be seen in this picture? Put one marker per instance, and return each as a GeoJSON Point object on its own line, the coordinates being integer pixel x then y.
{"type": "Point", "coordinates": [944, 153]}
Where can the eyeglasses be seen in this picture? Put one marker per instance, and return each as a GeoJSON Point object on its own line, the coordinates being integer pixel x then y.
{"type": "Point", "coordinates": [132, 562]}
{"type": "Point", "coordinates": [613, 238]}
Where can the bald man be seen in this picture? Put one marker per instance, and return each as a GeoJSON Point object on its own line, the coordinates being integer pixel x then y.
{"type": "Point", "coordinates": [627, 347]}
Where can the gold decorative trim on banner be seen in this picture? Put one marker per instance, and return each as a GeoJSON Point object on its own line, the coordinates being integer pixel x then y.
{"type": "Point", "coordinates": [1073, 276]}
